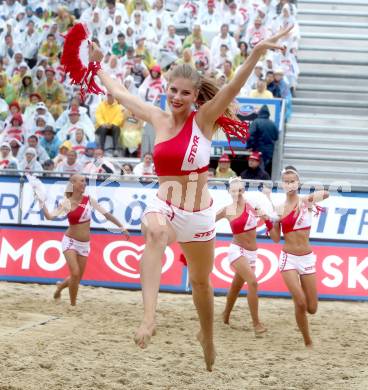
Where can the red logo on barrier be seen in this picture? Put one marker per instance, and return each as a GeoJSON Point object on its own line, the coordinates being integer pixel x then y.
{"type": "Point", "coordinates": [34, 256]}
{"type": "Point", "coordinates": [123, 258]}
{"type": "Point", "coordinates": [266, 265]}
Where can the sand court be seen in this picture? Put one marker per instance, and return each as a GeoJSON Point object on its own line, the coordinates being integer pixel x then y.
{"type": "Point", "coordinates": [44, 345]}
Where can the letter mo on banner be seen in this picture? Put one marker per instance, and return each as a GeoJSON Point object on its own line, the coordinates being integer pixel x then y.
{"type": "Point", "coordinates": [36, 255]}
{"type": "Point", "coordinates": [342, 270]}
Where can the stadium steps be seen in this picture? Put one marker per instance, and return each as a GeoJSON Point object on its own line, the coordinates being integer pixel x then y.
{"type": "Point", "coordinates": [324, 106]}
{"type": "Point", "coordinates": [327, 135]}
{"type": "Point", "coordinates": [323, 94]}
{"type": "Point", "coordinates": [331, 88]}
{"type": "Point", "coordinates": [329, 27]}
{"type": "Point", "coordinates": [346, 59]}
{"type": "Point", "coordinates": [349, 40]}
{"type": "Point", "coordinates": [332, 16]}
{"type": "Point", "coordinates": [323, 122]}
{"type": "Point", "coordinates": [311, 139]}
{"type": "Point", "coordinates": [318, 150]}
{"type": "Point", "coordinates": [327, 79]}
{"type": "Point", "coordinates": [332, 5]}
{"type": "Point", "coordinates": [321, 131]}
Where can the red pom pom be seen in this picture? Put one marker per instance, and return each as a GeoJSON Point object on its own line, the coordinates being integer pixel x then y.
{"type": "Point", "coordinates": [71, 59]}
{"type": "Point", "coordinates": [234, 128]}
{"type": "Point", "coordinates": [75, 60]}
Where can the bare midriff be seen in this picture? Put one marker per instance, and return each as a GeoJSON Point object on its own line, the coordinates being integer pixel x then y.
{"type": "Point", "coordinates": [188, 192]}
{"type": "Point", "coordinates": [79, 232]}
{"type": "Point", "coordinates": [246, 240]}
{"type": "Point", "coordinates": [297, 242]}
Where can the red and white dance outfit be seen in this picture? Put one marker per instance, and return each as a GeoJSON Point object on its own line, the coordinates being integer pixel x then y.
{"type": "Point", "coordinates": [246, 222]}
{"type": "Point", "coordinates": [188, 152]}
{"type": "Point", "coordinates": [80, 214]}
{"type": "Point", "coordinates": [297, 220]}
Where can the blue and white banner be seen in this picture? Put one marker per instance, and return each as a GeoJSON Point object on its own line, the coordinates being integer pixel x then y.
{"type": "Point", "coordinates": [345, 218]}
{"type": "Point", "coordinates": [9, 200]}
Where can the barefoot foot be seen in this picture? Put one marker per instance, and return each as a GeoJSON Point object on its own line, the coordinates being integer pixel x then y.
{"type": "Point", "coordinates": [226, 317]}
{"type": "Point", "coordinates": [208, 351]}
{"type": "Point", "coordinates": [144, 333]}
{"type": "Point", "coordinates": [57, 293]}
{"type": "Point", "coordinates": [259, 329]}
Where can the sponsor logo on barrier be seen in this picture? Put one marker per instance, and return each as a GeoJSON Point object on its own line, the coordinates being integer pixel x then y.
{"type": "Point", "coordinates": [123, 257]}
{"type": "Point", "coordinates": [266, 265]}
{"type": "Point", "coordinates": [341, 270]}
{"type": "Point", "coordinates": [23, 254]}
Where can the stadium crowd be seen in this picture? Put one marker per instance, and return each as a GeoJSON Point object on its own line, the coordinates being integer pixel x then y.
{"type": "Point", "coordinates": [44, 126]}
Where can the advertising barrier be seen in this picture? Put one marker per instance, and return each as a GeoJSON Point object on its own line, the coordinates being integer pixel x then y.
{"type": "Point", "coordinates": [35, 256]}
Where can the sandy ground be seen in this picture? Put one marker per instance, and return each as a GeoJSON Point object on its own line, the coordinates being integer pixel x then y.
{"type": "Point", "coordinates": [44, 345]}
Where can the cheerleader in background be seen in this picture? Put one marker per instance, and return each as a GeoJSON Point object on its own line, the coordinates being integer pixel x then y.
{"type": "Point", "coordinates": [242, 254]}
{"type": "Point", "coordinates": [297, 261]}
{"type": "Point", "coordinates": [76, 242]}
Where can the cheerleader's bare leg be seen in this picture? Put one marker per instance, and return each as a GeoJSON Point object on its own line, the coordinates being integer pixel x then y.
{"type": "Point", "coordinates": [158, 234]}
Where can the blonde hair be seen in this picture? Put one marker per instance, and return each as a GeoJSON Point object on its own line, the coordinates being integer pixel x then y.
{"type": "Point", "coordinates": [69, 187]}
{"type": "Point", "coordinates": [290, 169]}
{"type": "Point", "coordinates": [206, 87]}
{"type": "Point", "coordinates": [68, 190]}
{"type": "Point", "coordinates": [235, 180]}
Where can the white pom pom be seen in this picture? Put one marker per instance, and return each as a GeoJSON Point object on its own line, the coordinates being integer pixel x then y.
{"type": "Point", "coordinates": [37, 187]}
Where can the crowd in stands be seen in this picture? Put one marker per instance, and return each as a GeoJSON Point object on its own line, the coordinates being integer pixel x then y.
{"type": "Point", "coordinates": [44, 125]}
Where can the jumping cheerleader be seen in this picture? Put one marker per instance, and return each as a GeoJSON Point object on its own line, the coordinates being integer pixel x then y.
{"type": "Point", "coordinates": [182, 210]}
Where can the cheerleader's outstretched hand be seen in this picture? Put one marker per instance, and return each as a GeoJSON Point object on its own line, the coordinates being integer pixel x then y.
{"type": "Point", "coordinates": [95, 54]}
{"type": "Point", "coordinates": [272, 42]}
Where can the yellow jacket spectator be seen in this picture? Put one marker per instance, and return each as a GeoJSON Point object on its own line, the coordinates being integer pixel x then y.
{"type": "Point", "coordinates": [24, 92]}
{"type": "Point", "coordinates": [64, 19]}
{"type": "Point", "coordinates": [228, 70]}
{"type": "Point", "coordinates": [142, 5]}
{"type": "Point", "coordinates": [141, 50]}
{"type": "Point", "coordinates": [50, 49]}
{"type": "Point", "coordinates": [187, 58]}
{"type": "Point", "coordinates": [223, 169]}
{"type": "Point", "coordinates": [261, 92]}
{"type": "Point", "coordinates": [52, 93]}
{"type": "Point", "coordinates": [109, 119]}
{"type": "Point", "coordinates": [240, 58]}
{"type": "Point", "coordinates": [197, 33]}
{"type": "Point", "coordinates": [131, 134]}
{"type": "Point", "coordinates": [18, 75]}
{"type": "Point", "coordinates": [7, 92]}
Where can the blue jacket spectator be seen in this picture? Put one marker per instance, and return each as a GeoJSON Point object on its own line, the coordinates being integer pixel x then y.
{"type": "Point", "coordinates": [50, 142]}
{"type": "Point", "coordinates": [263, 135]}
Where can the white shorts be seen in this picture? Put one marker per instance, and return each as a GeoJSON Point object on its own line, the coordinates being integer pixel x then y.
{"type": "Point", "coordinates": [236, 251]}
{"type": "Point", "coordinates": [188, 225]}
{"type": "Point", "coordinates": [304, 265]}
{"type": "Point", "coordinates": [81, 247]}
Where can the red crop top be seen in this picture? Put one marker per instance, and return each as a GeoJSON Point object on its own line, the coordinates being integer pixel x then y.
{"type": "Point", "coordinates": [189, 151]}
{"type": "Point", "coordinates": [297, 220]}
{"type": "Point", "coordinates": [246, 221]}
{"type": "Point", "coordinates": [82, 213]}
